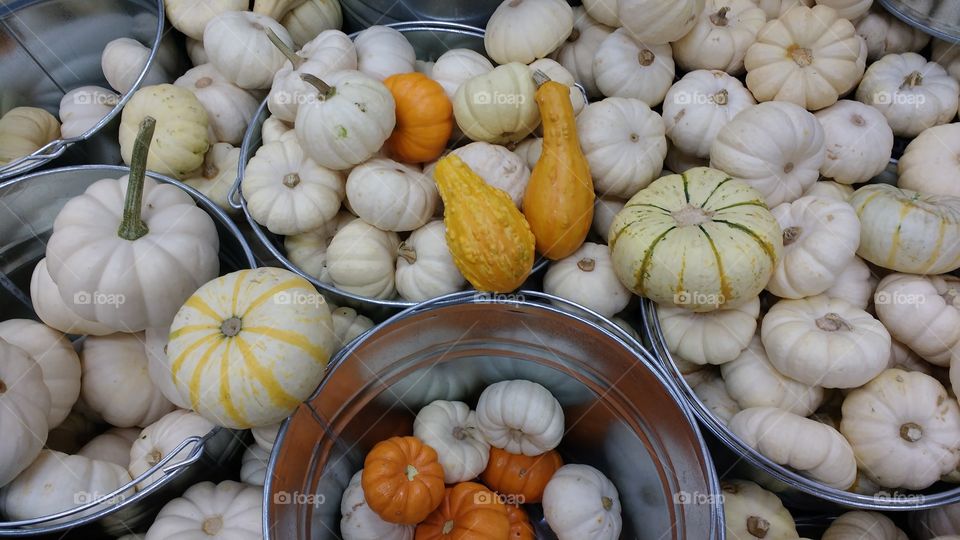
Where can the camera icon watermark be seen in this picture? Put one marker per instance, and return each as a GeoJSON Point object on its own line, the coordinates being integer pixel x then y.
{"type": "Point", "coordinates": [95, 98]}
{"type": "Point", "coordinates": [298, 298]}
{"type": "Point", "coordinates": [303, 499]}
{"type": "Point", "coordinates": [900, 99]}
{"type": "Point", "coordinates": [696, 298]}
{"type": "Point", "coordinates": [887, 298]}
{"type": "Point", "coordinates": [697, 498]}
{"type": "Point", "coordinates": [499, 98]}
{"type": "Point", "coordinates": [97, 298]}
{"type": "Point", "coordinates": [498, 298]}
{"type": "Point", "coordinates": [81, 498]}
{"type": "Point", "coordinates": [698, 98]}
{"type": "Point", "coordinates": [493, 497]}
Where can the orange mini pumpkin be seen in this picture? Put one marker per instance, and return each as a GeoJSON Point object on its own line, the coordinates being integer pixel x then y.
{"type": "Point", "coordinates": [524, 477]}
{"type": "Point", "coordinates": [520, 526]}
{"type": "Point", "coordinates": [469, 511]}
{"type": "Point", "coordinates": [402, 480]}
{"type": "Point", "coordinates": [424, 118]}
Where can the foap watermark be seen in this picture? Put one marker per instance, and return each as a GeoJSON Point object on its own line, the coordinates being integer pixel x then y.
{"type": "Point", "coordinates": [697, 298]}
{"type": "Point", "coordinates": [286, 497]}
{"type": "Point", "coordinates": [499, 98]}
{"type": "Point", "coordinates": [97, 298]}
{"type": "Point", "coordinates": [281, 97]}
{"type": "Point", "coordinates": [95, 98]}
{"type": "Point", "coordinates": [899, 497]}
{"type": "Point", "coordinates": [81, 498]}
{"type": "Point", "coordinates": [498, 298]}
{"type": "Point", "coordinates": [701, 98]}
{"type": "Point", "coordinates": [887, 298]}
{"type": "Point", "coordinates": [697, 498]}
{"type": "Point", "coordinates": [490, 497]}
{"type": "Point", "coordinates": [298, 298]}
{"type": "Point", "coordinates": [900, 99]}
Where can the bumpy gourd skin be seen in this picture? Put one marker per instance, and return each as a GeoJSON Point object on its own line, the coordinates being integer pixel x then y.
{"type": "Point", "coordinates": [558, 201]}
{"type": "Point", "coordinates": [489, 238]}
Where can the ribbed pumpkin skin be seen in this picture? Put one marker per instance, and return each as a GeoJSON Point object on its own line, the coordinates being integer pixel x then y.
{"type": "Point", "coordinates": [520, 527]}
{"type": "Point", "coordinates": [469, 511]}
{"type": "Point", "coordinates": [489, 238]}
{"type": "Point", "coordinates": [558, 201]}
{"type": "Point", "coordinates": [424, 118]}
{"type": "Point", "coordinates": [700, 241]}
{"type": "Point", "coordinates": [522, 476]}
{"type": "Point", "coordinates": [402, 480]}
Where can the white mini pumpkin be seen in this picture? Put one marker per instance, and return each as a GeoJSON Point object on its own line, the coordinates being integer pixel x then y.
{"type": "Point", "coordinates": [587, 278]}
{"type": "Point", "coordinates": [828, 189]}
{"type": "Point", "coordinates": [855, 284]}
{"type": "Point", "coordinates": [820, 238]}
{"type": "Point", "coordinates": [911, 92]}
{"type": "Point", "coordinates": [529, 150]}
{"type": "Point", "coordinates": [698, 105]}
{"type": "Point", "coordinates": [814, 449]}
{"type": "Point", "coordinates": [848, 9]}
{"type": "Point", "coordinates": [383, 51]}
{"type": "Point", "coordinates": [24, 408]}
{"type": "Point", "coordinates": [348, 324]}
{"type": "Point", "coordinates": [192, 16]}
{"type": "Point", "coordinates": [161, 438]}
{"type": "Point", "coordinates": [580, 502]}
{"type": "Point", "coordinates": [825, 341]}
{"type": "Point", "coordinates": [196, 53]}
{"type": "Point", "coordinates": [122, 62]}
{"type": "Point", "coordinates": [309, 250]}
{"type": "Point", "coordinates": [359, 522]}
{"type": "Point", "coordinates": [225, 511]}
{"type": "Point", "coordinates": [605, 209]}
{"type": "Point", "coordinates": [715, 337]}
{"type": "Point", "coordinates": [274, 129]}
{"type": "Point", "coordinates": [310, 18]}
{"type": "Point", "coordinates": [923, 313]}
{"type": "Point", "coordinates": [712, 392]}
{"type": "Point", "coordinates": [903, 428]}
{"type": "Point", "coordinates": [624, 67]}
{"type": "Point", "coordinates": [229, 107]}
{"type": "Point", "coordinates": [719, 40]}
{"type": "Point", "coordinates": [624, 143]}
{"type": "Point", "coordinates": [497, 165]}
{"type": "Point", "coordinates": [556, 72]}
{"type": "Point", "coordinates": [521, 417]}
{"type": "Point", "coordinates": [604, 11]}
{"type": "Point", "coordinates": [578, 51]}
{"type": "Point", "coordinates": [155, 345]}
{"type": "Point", "coordinates": [752, 381]}
{"type": "Point", "coordinates": [330, 51]}
{"type": "Point", "coordinates": [808, 56]}
{"type": "Point", "coordinates": [524, 30]}
{"type": "Point", "coordinates": [658, 21]}
{"type": "Point", "coordinates": [776, 147]}
{"type": "Point", "coordinates": [776, 8]}
{"type": "Point", "coordinates": [266, 436]}
{"type": "Point", "coordinates": [237, 44]}
{"type": "Point", "coordinates": [450, 428]}
{"type": "Point", "coordinates": [497, 107]}
{"type": "Point", "coordinates": [455, 66]}
{"type": "Point", "coordinates": [24, 130]}
{"type": "Point", "coordinates": [425, 267]}
{"type": "Point", "coordinates": [112, 446]}
{"type": "Point", "coordinates": [51, 308]}
{"type": "Point", "coordinates": [84, 107]}
{"type": "Point", "coordinates": [859, 142]}
{"type": "Point", "coordinates": [863, 526]}
{"type": "Point", "coordinates": [930, 165]}
{"type": "Point", "coordinates": [253, 465]}
{"type": "Point", "coordinates": [752, 512]}
{"type": "Point", "coordinates": [288, 192]}
{"type": "Point", "coordinates": [391, 196]}
{"type": "Point", "coordinates": [216, 177]}
{"type": "Point", "coordinates": [362, 260]}
{"type": "Point", "coordinates": [886, 34]}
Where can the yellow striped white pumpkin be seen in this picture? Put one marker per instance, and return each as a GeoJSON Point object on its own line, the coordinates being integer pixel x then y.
{"type": "Point", "coordinates": [248, 347]}
{"type": "Point", "coordinates": [907, 231]}
{"type": "Point", "coordinates": [698, 240]}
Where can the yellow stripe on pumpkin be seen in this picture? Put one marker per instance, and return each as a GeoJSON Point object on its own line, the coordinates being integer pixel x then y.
{"type": "Point", "coordinates": [271, 292]}
{"type": "Point", "coordinates": [265, 377]}
{"type": "Point", "coordinates": [198, 303]}
{"type": "Point", "coordinates": [210, 327]}
{"type": "Point", "coordinates": [199, 367]}
{"type": "Point", "coordinates": [179, 360]}
{"type": "Point", "coordinates": [290, 338]}
{"type": "Point", "coordinates": [225, 398]}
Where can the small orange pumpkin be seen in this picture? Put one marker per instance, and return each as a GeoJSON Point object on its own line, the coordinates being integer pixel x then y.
{"type": "Point", "coordinates": [469, 511]}
{"type": "Point", "coordinates": [424, 118]}
{"type": "Point", "coordinates": [520, 526]}
{"type": "Point", "coordinates": [402, 480]}
{"type": "Point", "coordinates": [524, 477]}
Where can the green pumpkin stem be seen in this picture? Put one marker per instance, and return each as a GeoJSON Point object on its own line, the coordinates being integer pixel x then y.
{"type": "Point", "coordinates": [291, 55]}
{"type": "Point", "coordinates": [326, 91]}
{"type": "Point", "coordinates": [132, 226]}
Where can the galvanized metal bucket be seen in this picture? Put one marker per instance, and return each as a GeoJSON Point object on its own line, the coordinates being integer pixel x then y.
{"type": "Point", "coordinates": [360, 14]}
{"type": "Point", "coordinates": [622, 415]}
{"type": "Point", "coordinates": [28, 207]}
{"type": "Point", "coordinates": [939, 18]}
{"type": "Point", "coordinates": [49, 47]}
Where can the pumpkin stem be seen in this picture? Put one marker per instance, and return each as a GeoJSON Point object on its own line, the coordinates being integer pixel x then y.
{"type": "Point", "coordinates": [212, 525]}
{"type": "Point", "coordinates": [587, 264]}
{"type": "Point", "coordinates": [757, 526]}
{"type": "Point", "coordinates": [408, 253]}
{"type": "Point", "coordinates": [210, 170]}
{"type": "Point", "coordinates": [607, 503]}
{"type": "Point", "coordinates": [722, 97]}
{"type": "Point", "coordinates": [802, 56]}
{"type": "Point", "coordinates": [3, 387]}
{"type": "Point", "coordinates": [231, 327]}
{"type": "Point", "coordinates": [203, 82]}
{"type": "Point", "coordinates": [411, 472]}
{"type": "Point", "coordinates": [646, 57]}
{"type": "Point", "coordinates": [132, 226]}
{"type": "Point", "coordinates": [447, 526]}
{"type": "Point", "coordinates": [720, 18]}
{"type": "Point", "coordinates": [515, 3]}
{"type": "Point", "coordinates": [911, 432]}
{"type": "Point", "coordinates": [292, 56]}
{"type": "Point", "coordinates": [732, 489]}
{"type": "Point", "coordinates": [790, 235]}
{"type": "Point", "coordinates": [291, 180]}
{"type": "Point", "coordinates": [154, 457]}
{"type": "Point", "coordinates": [574, 36]}
{"type": "Point", "coordinates": [913, 80]}
{"type": "Point", "coordinates": [459, 433]}
{"type": "Point", "coordinates": [540, 78]}
{"type": "Point", "coordinates": [858, 120]}
{"type": "Point", "coordinates": [832, 322]}
{"type": "Point", "coordinates": [326, 91]}
{"type": "Point", "coordinates": [691, 215]}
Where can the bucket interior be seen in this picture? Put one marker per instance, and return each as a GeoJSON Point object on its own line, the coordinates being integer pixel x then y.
{"type": "Point", "coordinates": [620, 417]}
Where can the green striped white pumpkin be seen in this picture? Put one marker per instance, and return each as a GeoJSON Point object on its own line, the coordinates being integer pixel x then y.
{"type": "Point", "coordinates": [248, 347]}
{"type": "Point", "coordinates": [698, 240]}
{"type": "Point", "coordinates": [907, 231]}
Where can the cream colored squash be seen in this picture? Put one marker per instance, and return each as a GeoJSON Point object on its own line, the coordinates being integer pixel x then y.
{"type": "Point", "coordinates": [624, 142]}
{"type": "Point", "coordinates": [497, 165]}
{"type": "Point", "coordinates": [229, 107]}
{"type": "Point", "coordinates": [937, 522]}
{"type": "Point", "coordinates": [776, 147]}
{"type": "Point", "coordinates": [911, 92]}
{"type": "Point", "coordinates": [578, 51]}
{"type": "Point", "coordinates": [391, 196]}
{"type": "Point", "coordinates": [923, 313]}
{"type": "Point", "coordinates": [266, 436]}
{"type": "Point", "coordinates": [123, 60]}
{"type": "Point", "coordinates": [663, 225]}
{"type": "Point", "coordinates": [808, 56]}
{"type": "Point", "coordinates": [191, 16]}
{"type": "Point", "coordinates": [253, 466]}
{"type": "Point", "coordinates": [456, 66]}
{"type": "Point", "coordinates": [828, 189]}
{"type": "Point", "coordinates": [859, 142]}
{"type": "Point", "coordinates": [864, 526]}
{"type": "Point", "coordinates": [450, 428]}
{"type": "Point", "coordinates": [715, 337]}
{"type": "Point", "coordinates": [930, 165]}
{"type": "Point", "coordinates": [719, 40]}
{"type": "Point", "coordinates": [520, 416]}
{"type": "Point", "coordinates": [161, 439]}
{"type": "Point", "coordinates": [225, 511]}
{"type": "Point", "coordinates": [623, 67]}
{"type": "Point", "coordinates": [699, 105]}
{"type": "Point", "coordinates": [312, 17]}
{"type": "Point", "coordinates": [56, 482]}
{"type": "Point", "coordinates": [713, 393]}
{"type": "Point", "coordinates": [425, 267]}
{"type": "Point", "coordinates": [53, 311]}
{"type": "Point", "coordinates": [855, 284]}
{"type": "Point", "coordinates": [901, 357]}
{"type": "Point", "coordinates": [587, 278]}
{"type": "Point", "coordinates": [906, 231]}
{"type": "Point", "coordinates": [359, 522]}
{"type": "Point", "coordinates": [825, 341]}
{"type": "Point", "coordinates": [112, 446]}
{"type": "Point", "coordinates": [753, 512]}
{"type": "Point", "coordinates": [524, 30]}
{"type": "Point", "coordinates": [383, 51]}
{"type": "Point", "coordinates": [336, 133]}
{"type": "Point", "coordinates": [216, 177]}
{"type": "Point", "coordinates": [820, 239]}
{"type": "Point", "coordinates": [813, 449]}
{"type": "Point", "coordinates": [24, 130]}
{"type": "Point", "coordinates": [752, 381]}
{"type": "Point", "coordinates": [155, 343]}
{"type": "Point", "coordinates": [261, 338]}
{"type": "Point", "coordinates": [24, 408]}
{"type": "Point", "coordinates": [348, 324]}
{"type": "Point", "coordinates": [287, 192]}
{"type": "Point", "coordinates": [657, 22]}
{"type": "Point", "coordinates": [776, 8]}
{"type": "Point", "coordinates": [180, 140]}
{"type": "Point", "coordinates": [603, 11]}
{"type": "Point", "coordinates": [580, 502]}
{"type": "Point", "coordinates": [196, 52]}
{"type": "Point", "coordinates": [886, 34]}
{"type": "Point", "coordinates": [238, 46]}
{"type": "Point", "coordinates": [497, 107]}
{"type": "Point", "coordinates": [903, 428]}
{"type": "Point", "coordinates": [556, 72]}
{"type": "Point", "coordinates": [309, 250]}
{"type": "Point", "coordinates": [529, 150]}
{"type": "Point", "coordinates": [274, 129]}
{"type": "Point", "coordinates": [84, 107]}
{"type": "Point", "coordinates": [605, 209]}
{"type": "Point", "coordinates": [362, 259]}
{"type": "Point", "coordinates": [59, 364]}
